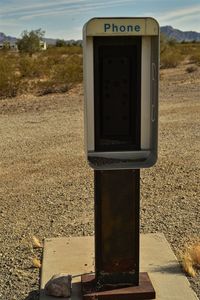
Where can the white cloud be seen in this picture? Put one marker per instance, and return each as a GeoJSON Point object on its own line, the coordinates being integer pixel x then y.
{"type": "Point", "coordinates": [21, 9]}
{"type": "Point", "coordinates": [76, 10]}
{"type": "Point", "coordinates": [180, 13]}
{"type": "Point", "coordinates": [38, 9]}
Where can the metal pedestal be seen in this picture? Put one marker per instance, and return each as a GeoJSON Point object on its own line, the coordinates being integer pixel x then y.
{"type": "Point", "coordinates": [117, 198]}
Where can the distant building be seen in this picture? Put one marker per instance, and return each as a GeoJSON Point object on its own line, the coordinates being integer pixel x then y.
{"type": "Point", "coordinates": [43, 45]}
{"type": "Point", "coordinates": [12, 46]}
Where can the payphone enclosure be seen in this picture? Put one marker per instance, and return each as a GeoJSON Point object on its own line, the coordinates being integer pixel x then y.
{"type": "Point", "coordinates": [121, 73]}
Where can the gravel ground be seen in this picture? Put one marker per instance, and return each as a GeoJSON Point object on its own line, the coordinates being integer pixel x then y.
{"type": "Point", "coordinates": [46, 187]}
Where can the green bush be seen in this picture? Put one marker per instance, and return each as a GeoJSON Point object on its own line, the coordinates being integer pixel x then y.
{"type": "Point", "coordinates": [30, 41]}
{"type": "Point", "coordinates": [9, 79]}
{"type": "Point", "coordinates": [60, 43]}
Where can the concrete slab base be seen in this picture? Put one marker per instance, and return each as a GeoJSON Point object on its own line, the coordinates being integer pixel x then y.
{"type": "Point", "coordinates": [75, 256]}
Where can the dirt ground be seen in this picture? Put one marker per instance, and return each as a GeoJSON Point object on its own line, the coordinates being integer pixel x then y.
{"type": "Point", "coordinates": [46, 186]}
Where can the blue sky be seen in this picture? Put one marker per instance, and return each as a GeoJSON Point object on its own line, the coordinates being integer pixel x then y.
{"type": "Point", "coordinates": [65, 18]}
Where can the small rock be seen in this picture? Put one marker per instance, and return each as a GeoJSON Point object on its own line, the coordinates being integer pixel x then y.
{"type": "Point", "coordinates": [59, 286]}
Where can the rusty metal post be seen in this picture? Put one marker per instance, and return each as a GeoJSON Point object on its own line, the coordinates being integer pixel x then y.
{"type": "Point", "coordinates": [117, 195]}
{"type": "Point", "coordinates": [117, 277]}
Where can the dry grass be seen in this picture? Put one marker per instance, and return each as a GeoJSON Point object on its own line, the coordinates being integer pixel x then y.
{"type": "Point", "coordinates": [67, 50]}
{"type": "Point", "coordinates": [57, 69]}
{"type": "Point", "coordinates": [31, 67]}
{"type": "Point", "coordinates": [172, 54]}
{"type": "Point", "coordinates": [171, 59]}
{"type": "Point", "coordinates": [191, 69]}
{"type": "Point", "coordinates": [195, 58]}
{"type": "Point", "coordinates": [36, 243]}
{"type": "Point", "coordinates": [36, 263]}
{"type": "Point", "coordinates": [192, 51]}
{"type": "Point", "coordinates": [191, 259]}
{"type": "Point", "coordinates": [9, 80]}
{"type": "Point", "coordinates": [52, 71]}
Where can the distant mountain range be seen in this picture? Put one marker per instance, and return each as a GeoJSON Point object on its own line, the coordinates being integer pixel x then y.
{"type": "Point", "coordinates": [4, 37]}
{"type": "Point", "coordinates": [179, 35]}
{"type": "Point", "coordinates": [169, 31]}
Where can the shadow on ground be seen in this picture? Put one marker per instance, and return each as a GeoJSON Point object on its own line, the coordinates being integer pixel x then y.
{"type": "Point", "coordinates": [173, 268]}
{"type": "Point", "coordinates": [34, 295]}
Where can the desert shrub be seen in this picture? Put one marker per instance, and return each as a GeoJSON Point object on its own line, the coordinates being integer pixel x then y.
{"type": "Point", "coordinates": [191, 51]}
{"type": "Point", "coordinates": [60, 43]}
{"type": "Point", "coordinates": [49, 86]}
{"type": "Point", "coordinates": [53, 60]}
{"type": "Point", "coordinates": [191, 69]}
{"type": "Point", "coordinates": [186, 49]}
{"type": "Point", "coordinates": [163, 44]}
{"type": "Point", "coordinates": [71, 50]}
{"type": "Point", "coordinates": [30, 41]}
{"type": "Point", "coordinates": [70, 71]}
{"type": "Point", "coordinates": [172, 42]}
{"type": "Point", "coordinates": [66, 50]}
{"type": "Point", "coordinates": [9, 79]}
{"type": "Point", "coordinates": [63, 74]}
{"type": "Point", "coordinates": [56, 70]}
{"type": "Point", "coordinates": [170, 55]}
{"type": "Point", "coordinates": [170, 59]}
{"type": "Point", "coordinates": [31, 67]}
{"type": "Point", "coordinates": [195, 58]}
